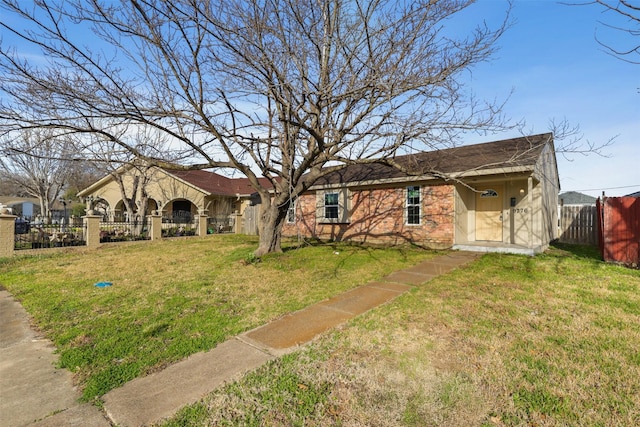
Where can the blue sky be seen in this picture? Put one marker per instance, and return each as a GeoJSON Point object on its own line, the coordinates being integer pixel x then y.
{"type": "Point", "coordinates": [556, 69]}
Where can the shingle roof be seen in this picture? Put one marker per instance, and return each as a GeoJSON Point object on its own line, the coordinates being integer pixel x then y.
{"type": "Point", "coordinates": [214, 183]}
{"type": "Point", "coordinates": [503, 154]}
{"type": "Point", "coordinates": [575, 198]}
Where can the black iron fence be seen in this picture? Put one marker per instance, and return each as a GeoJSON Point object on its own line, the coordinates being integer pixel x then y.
{"type": "Point", "coordinates": [178, 217]}
{"type": "Point", "coordinates": [220, 224]}
{"type": "Point", "coordinates": [34, 234]}
{"type": "Point", "coordinates": [124, 231]}
{"type": "Point", "coordinates": [40, 236]}
{"type": "Point", "coordinates": [178, 230]}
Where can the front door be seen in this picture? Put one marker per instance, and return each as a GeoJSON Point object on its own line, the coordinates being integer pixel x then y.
{"type": "Point", "coordinates": [489, 213]}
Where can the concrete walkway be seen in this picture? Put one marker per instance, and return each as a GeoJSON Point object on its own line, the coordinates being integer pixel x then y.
{"type": "Point", "coordinates": [150, 399]}
{"type": "Point", "coordinates": [32, 391]}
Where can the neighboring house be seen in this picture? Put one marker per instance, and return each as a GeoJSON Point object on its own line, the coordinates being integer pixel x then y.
{"type": "Point", "coordinates": [26, 207]}
{"type": "Point", "coordinates": [177, 195]}
{"type": "Point", "coordinates": [575, 198]}
{"type": "Point", "coordinates": [636, 194]}
{"type": "Point", "coordinates": [497, 196]}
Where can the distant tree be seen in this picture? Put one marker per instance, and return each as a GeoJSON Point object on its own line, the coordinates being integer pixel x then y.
{"type": "Point", "coordinates": [288, 90]}
{"type": "Point", "coordinates": [10, 188]}
{"type": "Point", "coordinates": [82, 173]}
{"type": "Point", "coordinates": [35, 162]}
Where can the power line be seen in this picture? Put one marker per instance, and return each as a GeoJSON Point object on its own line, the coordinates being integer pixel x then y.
{"type": "Point", "coordinates": [609, 188]}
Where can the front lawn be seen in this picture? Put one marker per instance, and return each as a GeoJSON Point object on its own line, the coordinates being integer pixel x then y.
{"type": "Point", "coordinates": [509, 340]}
{"type": "Point", "coordinates": [173, 298]}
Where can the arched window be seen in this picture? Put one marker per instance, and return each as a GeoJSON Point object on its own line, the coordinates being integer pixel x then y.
{"type": "Point", "coordinates": [489, 193]}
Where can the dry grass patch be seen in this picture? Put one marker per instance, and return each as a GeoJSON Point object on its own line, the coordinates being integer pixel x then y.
{"type": "Point", "coordinates": [173, 298]}
{"type": "Point", "coordinates": [508, 341]}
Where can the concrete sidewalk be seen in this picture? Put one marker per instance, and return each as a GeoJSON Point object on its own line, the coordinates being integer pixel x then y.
{"type": "Point", "coordinates": [32, 391]}
{"type": "Point", "coordinates": [150, 399]}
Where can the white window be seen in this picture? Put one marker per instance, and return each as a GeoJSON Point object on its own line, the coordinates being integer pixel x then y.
{"type": "Point", "coordinates": [331, 205]}
{"type": "Point", "coordinates": [291, 213]}
{"type": "Point", "coordinates": [413, 205]}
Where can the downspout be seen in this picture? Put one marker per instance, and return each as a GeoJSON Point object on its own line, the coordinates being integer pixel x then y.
{"type": "Point", "coordinates": [531, 214]}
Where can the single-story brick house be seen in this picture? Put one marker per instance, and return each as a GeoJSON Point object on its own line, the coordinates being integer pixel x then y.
{"type": "Point", "coordinates": [495, 196]}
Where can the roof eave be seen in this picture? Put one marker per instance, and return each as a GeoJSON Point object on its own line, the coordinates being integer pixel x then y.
{"type": "Point", "coordinates": [428, 177]}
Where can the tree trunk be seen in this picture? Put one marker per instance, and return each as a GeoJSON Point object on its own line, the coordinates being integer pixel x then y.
{"type": "Point", "coordinates": [270, 222]}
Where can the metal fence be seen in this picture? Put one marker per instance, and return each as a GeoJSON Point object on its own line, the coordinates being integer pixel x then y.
{"type": "Point", "coordinates": [220, 224]}
{"type": "Point", "coordinates": [42, 236]}
{"type": "Point", "coordinates": [178, 230]}
{"type": "Point", "coordinates": [178, 224]}
{"type": "Point", "coordinates": [124, 231]}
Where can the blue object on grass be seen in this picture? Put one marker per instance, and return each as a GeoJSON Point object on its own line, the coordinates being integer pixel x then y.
{"type": "Point", "coordinates": [103, 284]}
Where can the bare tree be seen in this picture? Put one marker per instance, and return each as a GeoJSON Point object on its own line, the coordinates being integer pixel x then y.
{"type": "Point", "coordinates": [130, 173]}
{"type": "Point", "coordinates": [81, 175]}
{"type": "Point", "coordinates": [623, 17]}
{"type": "Point", "coordinates": [35, 162]}
{"type": "Point", "coordinates": [289, 90]}
{"type": "Point", "coordinates": [134, 194]}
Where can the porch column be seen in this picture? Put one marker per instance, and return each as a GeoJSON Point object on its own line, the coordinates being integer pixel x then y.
{"type": "Point", "coordinates": [7, 234]}
{"type": "Point", "coordinates": [155, 226]}
{"type": "Point", "coordinates": [92, 230]}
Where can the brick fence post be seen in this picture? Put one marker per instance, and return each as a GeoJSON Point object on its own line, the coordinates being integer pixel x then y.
{"type": "Point", "coordinates": [155, 226]}
{"type": "Point", "coordinates": [7, 234]}
{"type": "Point", "coordinates": [92, 230]}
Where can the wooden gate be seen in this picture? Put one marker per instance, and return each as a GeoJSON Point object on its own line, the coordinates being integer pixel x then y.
{"type": "Point", "coordinates": [619, 229]}
{"type": "Point", "coordinates": [578, 224]}
{"type": "Point", "coordinates": [250, 219]}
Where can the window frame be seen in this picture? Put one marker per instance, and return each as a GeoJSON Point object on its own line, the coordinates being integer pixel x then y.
{"type": "Point", "coordinates": [411, 205]}
{"type": "Point", "coordinates": [332, 206]}
{"type": "Point", "coordinates": [341, 205]}
{"type": "Point", "coordinates": [291, 212]}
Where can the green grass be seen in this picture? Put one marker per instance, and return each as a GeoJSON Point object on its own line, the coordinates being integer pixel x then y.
{"type": "Point", "coordinates": [171, 299]}
{"type": "Point", "coordinates": [507, 341]}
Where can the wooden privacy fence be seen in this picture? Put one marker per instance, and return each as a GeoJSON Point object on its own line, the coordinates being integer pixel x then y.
{"type": "Point", "coordinates": [578, 224]}
{"type": "Point", "coordinates": [619, 229]}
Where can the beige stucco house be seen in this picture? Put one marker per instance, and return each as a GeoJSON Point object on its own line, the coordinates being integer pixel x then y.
{"type": "Point", "coordinates": [177, 195]}
{"type": "Point", "coordinates": [496, 196]}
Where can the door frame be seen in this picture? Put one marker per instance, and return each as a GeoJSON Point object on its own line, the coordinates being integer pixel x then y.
{"type": "Point", "coordinates": [496, 224]}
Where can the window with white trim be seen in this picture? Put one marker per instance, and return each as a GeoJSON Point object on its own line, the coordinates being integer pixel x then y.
{"type": "Point", "coordinates": [291, 213]}
{"type": "Point", "coordinates": [413, 203]}
{"type": "Point", "coordinates": [331, 205]}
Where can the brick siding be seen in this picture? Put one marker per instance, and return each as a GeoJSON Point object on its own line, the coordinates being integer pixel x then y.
{"type": "Point", "coordinates": [378, 216]}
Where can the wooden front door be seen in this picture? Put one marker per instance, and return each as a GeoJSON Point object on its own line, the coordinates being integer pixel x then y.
{"type": "Point", "coordinates": [489, 201]}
